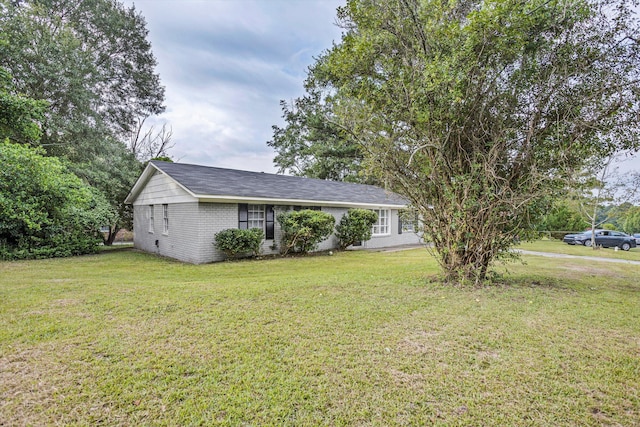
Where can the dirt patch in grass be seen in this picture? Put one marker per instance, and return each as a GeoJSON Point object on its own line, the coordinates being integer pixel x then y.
{"type": "Point", "coordinates": [594, 270]}
{"type": "Point", "coordinates": [404, 379]}
{"type": "Point", "coordinates": [28, 385]}
{"type": "Point", "coordinates": [422, 343]}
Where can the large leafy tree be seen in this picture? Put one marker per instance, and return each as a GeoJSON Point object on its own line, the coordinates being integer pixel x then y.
{"type": "Point", "coordinates": [45, 210]}
{"type": "Point", "coordinates": [112, 171]}
{"type": "Point", "coordinates": [311, 144]}
{"type": "Point", "coordinates": [479, 111]}
{"type": "Point", "coordinates": [92, 63]}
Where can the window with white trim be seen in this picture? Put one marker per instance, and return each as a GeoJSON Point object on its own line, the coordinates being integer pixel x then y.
{"type": "Point", "coordinates": [165, 218]}
{"type": "Point", "coordinates": [381, 227]}
{"type": "Point", "coordinates": [151, 225]}
{"type": "Point", "coordinates": [255, 216]}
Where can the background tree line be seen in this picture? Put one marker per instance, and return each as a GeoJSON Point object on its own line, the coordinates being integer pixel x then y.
{"type": "Point", "coordinates": [565, 216]}
{"type": "Point", "coordinates": [78, 82]}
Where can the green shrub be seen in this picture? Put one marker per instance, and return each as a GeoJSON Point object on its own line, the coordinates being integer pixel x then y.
{"type": "Point", "coordinates": [236, 243]}
{"type": "Point", "coordinates": [563, 217]}
{"type": "Point", "coordinates": [303, 230]}
{"type": "Point", "coordinates": [45, 210]}
{"type": "Point", "coordinates": [631, 220]}
{"type": "Point", "coordinates": [355, 226]}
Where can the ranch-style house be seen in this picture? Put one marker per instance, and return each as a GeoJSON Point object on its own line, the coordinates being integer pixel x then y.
{"type": "Point", "coordinates": [178, 208]}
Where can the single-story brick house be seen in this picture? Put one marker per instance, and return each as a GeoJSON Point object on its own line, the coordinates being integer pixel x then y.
{"type": "Point", "coordinates": [178, 208]}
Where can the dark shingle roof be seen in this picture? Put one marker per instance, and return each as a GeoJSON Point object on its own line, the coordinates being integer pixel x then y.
{"type": "Point", "coordinates": [210, 181]}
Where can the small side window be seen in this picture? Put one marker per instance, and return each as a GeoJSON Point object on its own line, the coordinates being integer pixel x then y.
{"type": "Point", "coordinates": [165, 218]}
{"type": "Point", "coordinates": [151, 224]}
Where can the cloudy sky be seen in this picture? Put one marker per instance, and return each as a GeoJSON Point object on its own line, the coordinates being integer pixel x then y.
{"type": "Point", "coordinates": [226, 64]}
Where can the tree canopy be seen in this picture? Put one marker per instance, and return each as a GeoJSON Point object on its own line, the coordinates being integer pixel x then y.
{"type": "Point", "coordinates": [90, 60]}
{"type": "Point", "coordinates": [311, 144]}
{"type": "Point", "coordinates": [631, 220]}
{"type": "Point", "coordinates": [20, 116]}
{"type": "Point", "coordinates": [480, 111]}
{"type": "Point", "coordinates": [92, 66]}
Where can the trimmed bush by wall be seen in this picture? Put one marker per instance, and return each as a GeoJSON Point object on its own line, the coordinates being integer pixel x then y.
{"type": "Point", "coordinates": [236, 243]}
{"type": "Point", "coordinates": [303, 230]}
{"type": "Point", "coordinates": [355, 226]}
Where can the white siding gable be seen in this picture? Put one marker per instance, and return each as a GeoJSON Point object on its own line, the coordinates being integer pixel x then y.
{"type": "Point", "coordinates": [160, 189]}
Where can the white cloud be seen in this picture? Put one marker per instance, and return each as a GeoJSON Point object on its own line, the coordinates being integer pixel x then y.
{"type": "Point", "coordinates": [227, 64]}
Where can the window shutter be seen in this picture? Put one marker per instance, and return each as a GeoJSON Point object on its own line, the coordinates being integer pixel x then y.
{"type": "Point", "coordinates": [399, 223]}
{"type": "Point", "coordinates": [269, 223]}
{"type": "Point", "coordinates": [243, 216]}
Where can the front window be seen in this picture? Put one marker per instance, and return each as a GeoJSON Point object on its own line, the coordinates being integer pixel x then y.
{"type": "Point", "coordinates": [381, 227]}
{"type": "Point", "coordinates": [165, 218]}
{"type": "Point", "coordinates": [408, 227]}
{"type": "Point", "coordinates": [409, 221]}
{"type": "Point", "coordinates": [151, 225]}
{"type": "Point", "coordinates": [255, 216]}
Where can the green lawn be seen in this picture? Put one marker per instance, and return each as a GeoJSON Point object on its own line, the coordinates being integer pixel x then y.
{"type": "Point", "coordinates": [358, 338]}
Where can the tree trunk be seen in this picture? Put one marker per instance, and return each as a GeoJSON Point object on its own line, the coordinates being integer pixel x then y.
{"type": "Point", "coordinates": [111, 235]}
{"type": "Point", "coordinates": [465, 254]}
{"type": "Point", "coordinates": [466, 268]}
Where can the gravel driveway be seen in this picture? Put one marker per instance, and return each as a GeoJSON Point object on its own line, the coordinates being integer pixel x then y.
{"type": "Point", "coordinates": [590, 258]}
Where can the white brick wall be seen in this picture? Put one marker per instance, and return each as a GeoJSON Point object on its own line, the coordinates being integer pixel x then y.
{"type": "Point", "coordinates": [193, 225]}
{"type": "Point", "coordinates": [214, 217]}
{"type": "Point", "coordinates": [395, 238]}
{"type": "Point", "coordinates": [180, 242]}
{"type": "Point", "coordinates": [332, 242]}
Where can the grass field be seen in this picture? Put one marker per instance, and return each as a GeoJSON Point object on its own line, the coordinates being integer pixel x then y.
{"type": "Point", "coordinates": [358, 338]}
